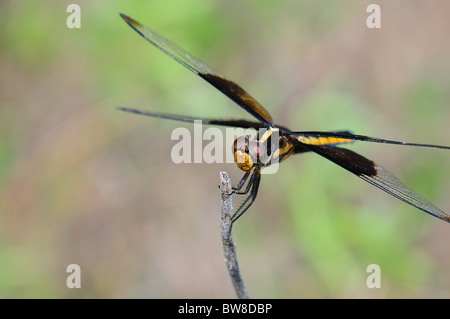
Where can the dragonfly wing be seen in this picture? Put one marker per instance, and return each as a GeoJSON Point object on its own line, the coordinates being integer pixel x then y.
{"type": "Point", "coordinates": [191, 119]}
{"type": "Point", "coordinates": [219, 81]}
{"type": "Point", "coordinates": [377, 176]}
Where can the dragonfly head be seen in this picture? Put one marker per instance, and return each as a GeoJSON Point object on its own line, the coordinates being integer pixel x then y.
{"type": "Point", "coordinates": [248, 152]}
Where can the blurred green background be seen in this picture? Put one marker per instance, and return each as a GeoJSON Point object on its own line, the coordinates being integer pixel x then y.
{"type": "Point", "coordinates": [81, 182]}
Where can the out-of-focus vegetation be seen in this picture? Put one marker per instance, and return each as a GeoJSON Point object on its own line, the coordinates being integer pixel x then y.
{"type": "Point", "coordinates": [81, 182]}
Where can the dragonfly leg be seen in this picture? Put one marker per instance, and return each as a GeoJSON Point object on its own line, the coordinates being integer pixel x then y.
{"type": "Point", "coordinates": [254, 185]}
{"type": "Point", "coordinates": [238, 188]}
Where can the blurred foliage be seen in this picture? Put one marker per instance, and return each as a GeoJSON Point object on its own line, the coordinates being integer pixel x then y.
{"type": "Point", "coordinates": [81, 182]}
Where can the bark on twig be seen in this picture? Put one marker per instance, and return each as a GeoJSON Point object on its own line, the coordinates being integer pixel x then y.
{"type": "Point", "coordinates": [227, 240]}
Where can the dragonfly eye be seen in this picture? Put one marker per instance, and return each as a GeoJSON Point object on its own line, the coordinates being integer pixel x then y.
{"type": "Point", "coordinates": [257, 151]}
{"type": "Point", "coordinates": [241, 144]}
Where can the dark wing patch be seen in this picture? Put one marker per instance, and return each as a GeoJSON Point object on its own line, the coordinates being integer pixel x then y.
{"type": "Point", "coordinates": [227, 87]}
{"type": "Point", "coordinates": [377, 176]}
{"type": "Point", "coordinates": [240, 96]}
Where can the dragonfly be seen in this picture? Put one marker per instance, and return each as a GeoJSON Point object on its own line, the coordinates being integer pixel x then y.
{"type": "Point", "coordinates": [277, 143]}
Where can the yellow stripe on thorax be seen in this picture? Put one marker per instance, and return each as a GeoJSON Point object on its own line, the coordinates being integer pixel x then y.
{"type": "Point", "coordinates": [267, 134]}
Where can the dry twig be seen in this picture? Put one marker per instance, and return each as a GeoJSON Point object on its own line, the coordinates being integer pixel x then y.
{"type": "Point", "coordinates": [227, 240]}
